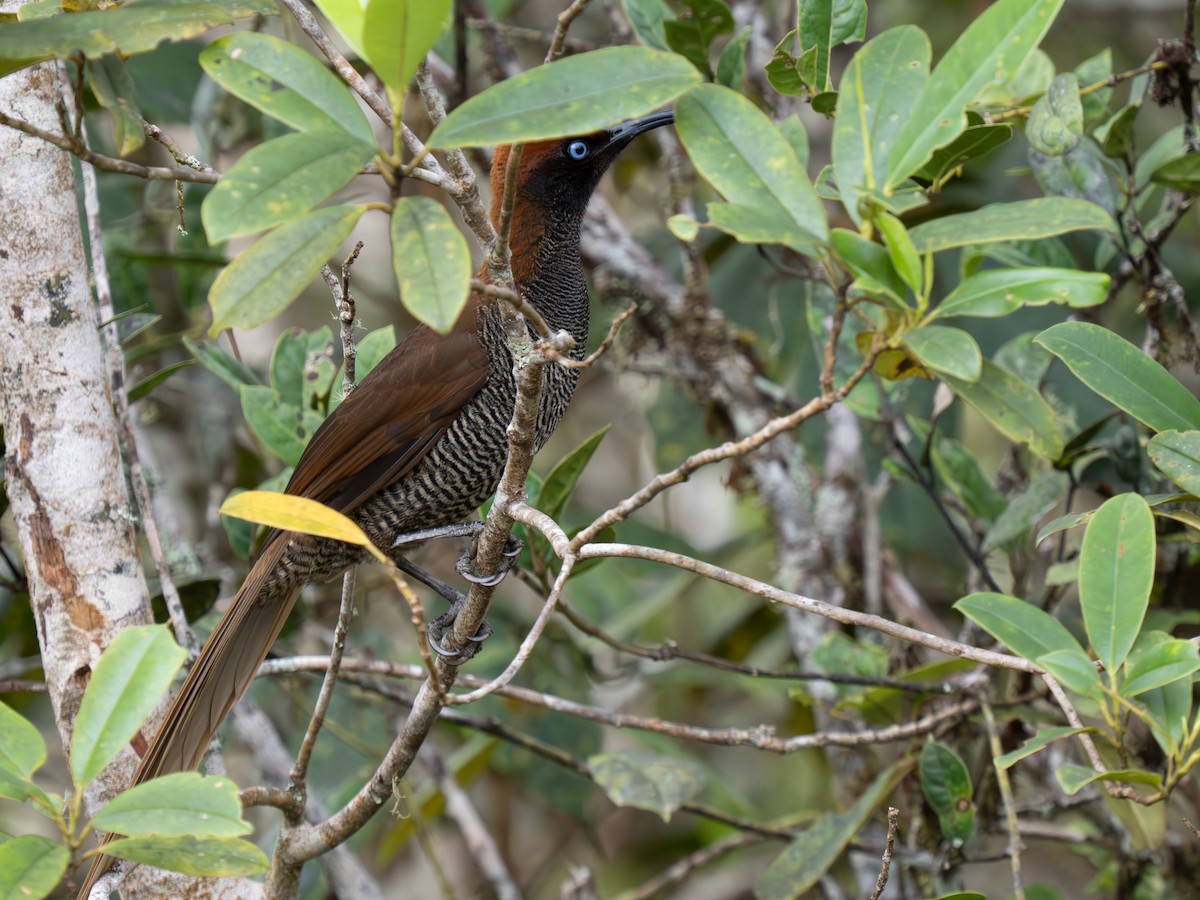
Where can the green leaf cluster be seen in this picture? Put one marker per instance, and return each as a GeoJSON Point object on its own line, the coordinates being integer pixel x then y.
{"type": "Point", "coordinates": [184, 822]}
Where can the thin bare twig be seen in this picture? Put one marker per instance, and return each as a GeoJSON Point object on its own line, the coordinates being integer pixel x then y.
{"type": "Point", "coordinates": [1006, 799]}
{"type": "Point", "coordinates": [565, 18]}
{"type": "Point", "coordinates": [807, 604]}
{"type": "Point", "coordinates": [79, 148]}
{"type": "Point", "coordinates": [728, 450]}
{"type": "Point", "coordinates": [888, 849]}
{"type": "Point", "coordinates": [760, 737]}
{"type": "Point", "coordinates": [346, 317]}
{"type": "Point", "coordinates": [156, 134]}
{"type": "Point", "coordinates": [299, 773]}
{"type": "Point", "coordinates": [115, 360]}
{"type": "Point", "coordinates": [669, 650]}
{"type": "Point", "coordinates": [309, 25]}
{"type": "Point", "coordinates": [523, 306]}
{"type": "Point", "coordinates": [605, 345]}
{"type": "Point", "coordinates": [679, 870]}
{"type": "Point", "coordinates": [17, 685]}
{"type": "Point", "coordinates": [481, 846]}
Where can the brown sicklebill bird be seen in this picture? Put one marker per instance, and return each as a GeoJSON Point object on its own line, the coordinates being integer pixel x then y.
{"type": "Point", "coordinates": [420, 443]}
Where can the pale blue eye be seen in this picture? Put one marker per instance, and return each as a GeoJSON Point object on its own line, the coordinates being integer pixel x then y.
{"type": "Point", "coordinates": [577, 149]}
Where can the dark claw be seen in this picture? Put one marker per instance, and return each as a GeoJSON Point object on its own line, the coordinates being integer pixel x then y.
{"type": "Point", "coordinates": [508, 558]}
{"type": "Point", "coordinates": [486, 580]}
{"type": "Point", "coordinates": [436, 631]}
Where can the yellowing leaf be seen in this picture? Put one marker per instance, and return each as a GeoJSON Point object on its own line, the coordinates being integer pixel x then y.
{"type": "Point", "coordinates": [289, 513]}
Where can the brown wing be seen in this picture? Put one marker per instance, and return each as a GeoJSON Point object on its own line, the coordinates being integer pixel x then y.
{"type": "Point", "coordinates": [395, 416]}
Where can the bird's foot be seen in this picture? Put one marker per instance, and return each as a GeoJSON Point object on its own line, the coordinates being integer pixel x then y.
{"type": "Point", "coordinates": [508, 558]}
{"type": "Point", "coordinates": [435, 633]}
{"type": "Point", "coordinates": [415, 538]}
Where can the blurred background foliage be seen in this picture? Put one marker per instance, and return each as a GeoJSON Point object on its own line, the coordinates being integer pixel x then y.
{"type": "Point", "coordinates": [545, 817]}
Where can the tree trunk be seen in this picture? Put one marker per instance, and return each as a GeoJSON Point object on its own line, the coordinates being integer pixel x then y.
{"type": "Point", "coordinates": [64, 476]}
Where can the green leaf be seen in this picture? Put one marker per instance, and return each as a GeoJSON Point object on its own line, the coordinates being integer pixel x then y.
{"type": "Point", "coordinates": [396, 35]}
{"type": "Point", "coordinates": [948, 351]}
{"type": "Point", "coordinates": [31, 866]}
{"type": "Point", "coordinates": [561, 480]}
{"type": "Point", "coordinates": [1157, 662]}
{"type": "Point", "coordinates": [1090, 71]}
{"type": "Point", "coordinates": [1116, 572]}
{"type": "Point", "coordinates": [280, 180]}
{"type": "Point", "coordinates": [793, 129]}
{"type": "Point", "coordinates": [959, 472]}
{"type": "Point", "coordinates": [792, 74]}
{"type": "Point", "coordinates": [818, 847]}
{"type": "Point", "coordinates": [132, 28]}
{"type": "Point", "coordinates": [278, 424]}
{"type": "Point", "coordinates": [757, 224]}
{"type": "Point", "coordinates": [127, 682]}
{"type": "Point", "coordinates": [1177, 455]}
{"type": "Point", "coordinates": [877, 93]}
{"type": "Point", "coordinates": [1027, 508]}
{"type": "Point", "coordinates": [991, 49]}
{"type": "Point", "coordinates": [301, 367]}
{"type": "Point", "coordinates": [976, 141]}
{"type": "Point", "coordinates": [232, 371]}
{"type": "Point", "coordinates": [998, 292]}
{"type": "Point", "coordinates": [370, 352]}
{"type": "Point", "coordinates": [34, 9]}
{"type": "Point", "coordinates": [902, 252]}
{"type": "Point", "coordinates": [1030, 81]}
{"type": "Point", "coordinates": [432, 261]}
{"type": "Point", "coordinates": [826, 23]}
{"type": "Point", "coordinates": [650, 781]}
{"type": "Point", "coordinates": [1073, 779]}
{"type": "Point", "coordinates": [1015, 408]}
{"type": "Point", "coordinates": [1028, 631]}
{"type": "Point", "coordinates": [1056, 120]}
{"type": "Point", "coordinates": [744, 156]}
{"type": "Point", "coordinates": [178, 804]}
{"type": "Point", "coordinates": [946, 784]}
{"type": "Point", "coordinates": [211, 857]}
{"type": "Point", "coordinates": [284, 82]}
{"type": "Point", "coordinates": [373, 348]}
{"type": "Point", "coordinates": [1062, 523]}
{"type": "Point", "coordinates": [1167, 146]}
{"type": "Point", "coordinates": [1116, 135]}
{"type": "Point", "coordinates": [691, 34]}
{"type": "Point", "coordinates": [143, 388]}
{"type": "Point", "coordinates": [731, 65]}
{"type": "Point", "coordinates": [1182, 174]}
{"type": "Point", "coordinates": [1081, 172]}
{"type": "Point", "coordinates": [19, 788]}
{"type": "Point", "coordinates": [1124, 375]}
{"type": "Point", "coordinates": [1169, 708]}
{"type": "Point", "coordinates": [1021, 220]}
{"type": "Point", "coordinates": [684, 227]}
{"type": "Point", "coordinates": [647, 17]}
{"type": "Point", "coordinates": [347, 17]}
{"type": "Point", "coordinates": [110, 81]}
{"type": "Point", "coordinates": [1075, 669]}
{"type": "Point", "coordinates": [271, 274]}
{"type": "Point", "coordinates": [22, 750]}
{"type": "Point", "coordinates": [1043, 738]}
{"type": "Point", "coordinates": [576, 95]}
{"type": "Point", "coordinates": [870, 264]}
{"type": "Point", "coordinates": [839, 654]}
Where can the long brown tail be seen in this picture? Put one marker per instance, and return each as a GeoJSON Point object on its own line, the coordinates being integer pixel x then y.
{"type": "Point", "coordinates": [220, 675]}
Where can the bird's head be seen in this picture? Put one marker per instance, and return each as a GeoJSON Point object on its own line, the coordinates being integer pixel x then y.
{"type": "Point", "coordinates": [557, 178]}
